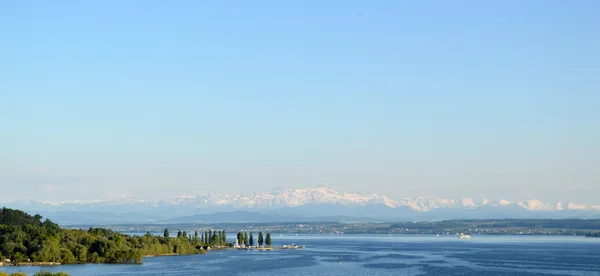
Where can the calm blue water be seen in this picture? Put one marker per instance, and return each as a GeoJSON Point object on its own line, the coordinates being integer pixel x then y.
{"type": "Point", "coordinates": [376, 255]}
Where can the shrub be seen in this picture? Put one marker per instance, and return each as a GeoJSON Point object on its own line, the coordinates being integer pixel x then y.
{"type": "Point", "coordinates": [47, 273]}
{"type": "Point", "coordinates": [43, 273]}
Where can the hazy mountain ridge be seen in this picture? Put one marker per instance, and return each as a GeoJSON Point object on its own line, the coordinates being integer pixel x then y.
{"type": "Point", "coordinates": [309, 196]}
{"type": "Point", "coordinates": [306, 205]}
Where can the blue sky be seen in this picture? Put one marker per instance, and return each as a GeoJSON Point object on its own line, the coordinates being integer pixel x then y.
{"type": "Point", "coordinates": [100, 99]}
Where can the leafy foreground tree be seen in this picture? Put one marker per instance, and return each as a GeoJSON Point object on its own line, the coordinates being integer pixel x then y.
{"type": "Point", "coordinates": [260, 239]}
{"type": "Point", "coordinates": [14, 274]}
{"type": "Point", "coordinates": [24, 237]}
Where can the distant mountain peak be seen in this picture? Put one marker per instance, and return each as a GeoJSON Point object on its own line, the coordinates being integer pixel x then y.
{"type": "Point", "coordinates": [292, 198]}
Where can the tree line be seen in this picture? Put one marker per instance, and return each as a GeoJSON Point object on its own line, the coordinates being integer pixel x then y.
{"type": "Point", "coordinates": [593, 235]}
{"type": "Point", "coordinates": [207, 239]}
{"type": "Point", "coordinates": [26, 238]}
{"type": "Point", "coordinates": [248, 240]}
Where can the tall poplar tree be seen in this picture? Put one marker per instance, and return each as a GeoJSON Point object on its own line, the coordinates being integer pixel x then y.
{"type": "Point", "coordinates": [240, 238]}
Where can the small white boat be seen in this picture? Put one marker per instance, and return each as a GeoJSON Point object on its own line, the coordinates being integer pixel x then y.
{"type": "Point", "coordinates": [464, 237]}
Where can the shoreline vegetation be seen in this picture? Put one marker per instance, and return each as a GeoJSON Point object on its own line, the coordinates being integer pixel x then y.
{"type": "Point", "coordinates": [32, 264]}
{"type": "Point", "coordinates": [40, 273]}
{"type": "Point", "coordinates": [27, 240]}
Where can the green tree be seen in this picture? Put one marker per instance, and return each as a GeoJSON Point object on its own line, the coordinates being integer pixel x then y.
{"type": "Point", "coordinates": [19, 257]}
{"type": "Point", "coordinates": [50, 252]}
{"type": "Point", "coordinates": [80, 253]}
{"type": "Point", "coordinates": [246, 238]}
{"type": "Point", "coordinates": [179, 234]}
{"type": "Point", "coordinates": [66, 256]}
{"type": "Point", "coordinates": [95, 258]}
{"type": "Point", "coordinates": [48, 273]}
{"type": "Point", "coordinates": [166, 233]}
{"type": "Point", "coordinates": [251, 239]}
{"type": "Point", "coordinates": [268, 239]}
{"type": "Point", "coordinates": [260, 239]}
{"type": "Point", "coordinates": [223, 237]}
{"type": "Point", "coordinates": [240, 238]}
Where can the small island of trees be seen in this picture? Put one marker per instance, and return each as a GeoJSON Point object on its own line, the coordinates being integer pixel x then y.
{"type": "Point", "coordinates": [593, 235]}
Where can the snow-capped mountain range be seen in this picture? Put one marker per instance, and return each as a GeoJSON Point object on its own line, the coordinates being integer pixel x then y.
{"type": "Point", "coordinates": [321, 195]}
{"type": "Point", "coordinates": [321, 201]}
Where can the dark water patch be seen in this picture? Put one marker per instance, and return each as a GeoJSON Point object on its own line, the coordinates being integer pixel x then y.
{"type": "Point", "coordinates": [388, 266]}
{"type": "Point", "coordinates": [252, 265]}
{"type": "Point", "coordinates": [542, 267]}
{"type": "Point", "coordinates": [433, 262]}
{"type": "Point", "coordinates": [338, 255]}
{"type": "Point", "coordinates": [516, 256]}
{"type": "Point", "coordinates": [395, 256]}
{"type": "Point", "coordinates": [469, 271]}
{"type": "Point", "coordinates": [344, 259]}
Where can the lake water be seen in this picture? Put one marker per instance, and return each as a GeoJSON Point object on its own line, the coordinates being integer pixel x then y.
{"type": "Point", "coordinates": [376, 255]}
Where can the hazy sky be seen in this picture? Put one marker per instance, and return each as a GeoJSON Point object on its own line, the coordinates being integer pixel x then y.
{"type": "Point", "coordinates": [100, 99]}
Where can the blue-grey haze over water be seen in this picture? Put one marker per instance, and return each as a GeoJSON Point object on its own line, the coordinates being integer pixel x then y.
{"type": "Point", "coordinates": [376, 255]}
